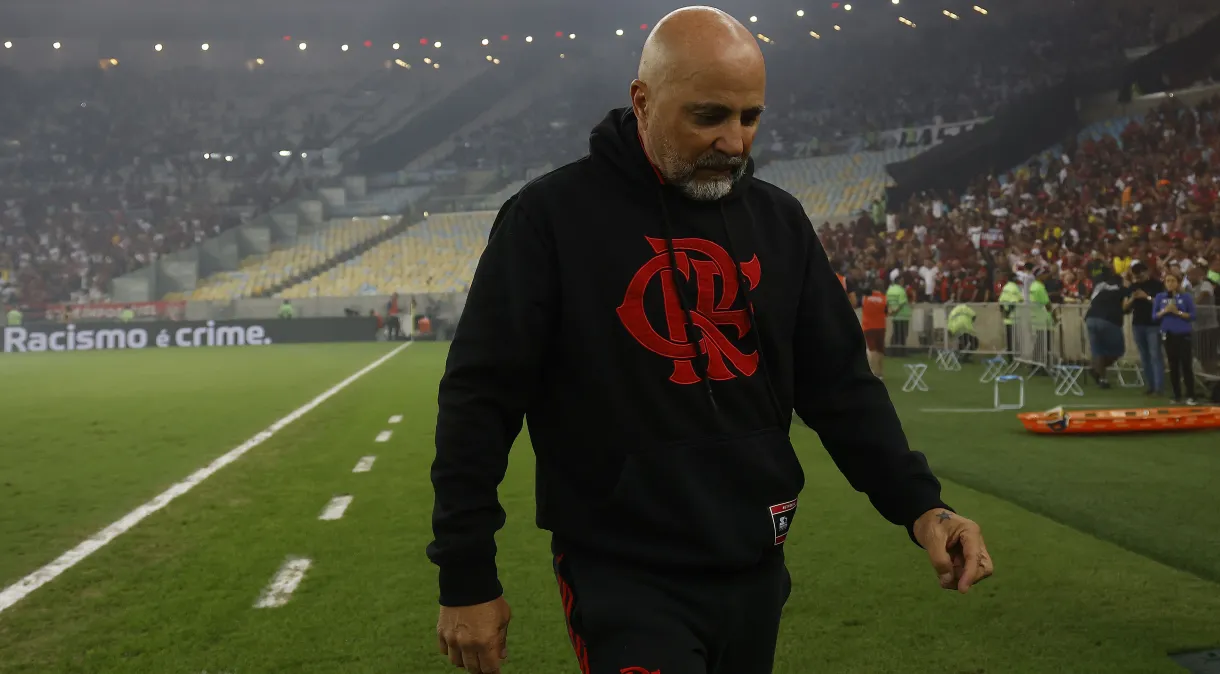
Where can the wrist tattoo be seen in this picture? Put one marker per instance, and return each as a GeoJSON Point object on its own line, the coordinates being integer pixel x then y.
{"type": "Point", "coordinates": [943, 515]}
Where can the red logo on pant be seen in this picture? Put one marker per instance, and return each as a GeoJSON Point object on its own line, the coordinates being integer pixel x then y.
{"type": "Point", "coordinates": [638, 670]}
{"type": "Point", "coordinates": [705, 261]}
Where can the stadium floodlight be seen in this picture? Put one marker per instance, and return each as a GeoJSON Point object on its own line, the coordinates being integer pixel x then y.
{"type": "Point", "coordinates": [489, 57]}
{"type": "Point", "coordinates": [800, 12]}
{"type": "Point", "coordinates": [814, 35]}
{"type": "Point", "coordinates": [895, 1]}
{"type": "Point", "coordinates": [980, 10]}
{"type": "Point", "coordinates": [207, 155]}
{"type": "Point", "coordinates": [486, 42]}
{"type": "Point", "coordinates": [753, 19]}
{"type": "Point", "coordinates": [571, 36]}
{"type": "Point", "coordinates": [228, 157]}
{"type": "Point", "coordinates": [436, 65]}
{"type": "Point", "coordinates": [837, 27]}
{"type": "Point", "coordinates": [260, 61]}
{"type": "Point", "coordinates": [343, 48]}
{"type": "Point", "coordinates": [114, 62]}
{"type": "Point", "coordinates": [304, 155]}
{"type": "Point", "coordinates": [494, 62]}
{"type": "Point", "coordinates": [427, 60]}
{"type": "Point", "coordinates": [951, 15]}
{"type": "Point", "coordinates": [55, 45]}
{"type": "Point", "coordinates": [437, 44]}
{"type": "Point", "coordinates": [529, 38]}
{"type": "Point", "coordinates": [846, 8]}
{"type": "Point", "coordinates": [285, 153]}
{"type": "Point", "coordinates": [563, 56]}
{"type": "Point", "coordinates": [158, 47]}
{"type": "Point", "coordinates": [619, 32]}
{"type": "Point", "coordinates": [906, 21]}
{"type": "Point", "coordinates": [396, 46]}
{"type": "Point", "coordinates": [205, 46]}
{"type": "Point", "coordinates": [8, 44]}
{"type": "Point", "coordinates": [301, 46]}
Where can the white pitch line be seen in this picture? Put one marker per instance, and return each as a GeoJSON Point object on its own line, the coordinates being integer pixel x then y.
{"type": "Point", "coordinates": [335, 509]}
{"type": "Point", "coordinates": [364, 465]}
{"type": "Point", "coordinates": [963, 410]}
{"type": "Point", "coordinates": [284, 583]}
{"type": "Point", "coordinates": [396, 419]}
{"type": "Point", "coordinates": [383, 436]}
{"type": "Point", "coordinates": [22, 588]}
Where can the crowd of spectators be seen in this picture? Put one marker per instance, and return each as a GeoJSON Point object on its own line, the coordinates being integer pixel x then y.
{"type": "Point", "coordinates": [1149, 196]}
{"type": "Point", "coordinates": [104, 171]}
{"type": "Point", "coordinates": [821, 95]}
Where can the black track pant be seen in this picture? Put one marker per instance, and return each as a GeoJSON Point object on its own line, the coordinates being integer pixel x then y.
{"type": "Point", "coordinates": [625, 619]}
{"type": "Point", "coordinates": [1181, 364]}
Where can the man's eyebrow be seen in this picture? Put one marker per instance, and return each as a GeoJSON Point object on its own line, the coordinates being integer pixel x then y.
{"type": "Point", "coordinates": [709, 107]}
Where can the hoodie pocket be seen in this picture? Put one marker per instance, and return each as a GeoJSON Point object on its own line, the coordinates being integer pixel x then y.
{"type": "Point", "coordinates": [716, 502]}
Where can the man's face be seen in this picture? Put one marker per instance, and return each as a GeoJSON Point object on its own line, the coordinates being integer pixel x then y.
{"type": "Point", "coordinates": [701, 127]}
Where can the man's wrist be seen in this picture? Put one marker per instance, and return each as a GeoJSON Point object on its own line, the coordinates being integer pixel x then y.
{"type": "Point", "coordinates": [469, 583]}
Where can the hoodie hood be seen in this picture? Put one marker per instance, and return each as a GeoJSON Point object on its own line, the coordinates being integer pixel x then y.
{"type": "Point", "coordinates": [616, 142]}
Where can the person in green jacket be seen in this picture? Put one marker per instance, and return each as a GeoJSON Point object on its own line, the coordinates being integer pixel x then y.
{"type": "Point", "coordinates": [287, 310]}
{"type": "Point", "coordinates": [1010, 298]}
{"type": "Point", "coordinates": [898, 306]}
{"type": "Point", "coordinates": [961, 326]}
{"type": "Point", "coordinates": [14, 317]}
{"type": "Point", "coordinates": [1040, 314]}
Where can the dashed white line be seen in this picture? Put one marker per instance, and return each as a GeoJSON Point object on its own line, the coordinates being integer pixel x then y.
{"type": "Point", "coordinates": [284, 583]}
{"type": "Point", "coordinates": [396, 419]}
{"type": "Point", "coordinates": [335, 509]}
{"type": "Point", "coordinates": [22, 588]}
{"type": "Point", "coordinates": [364, 465]}
{"type": "Point", "coordinates": [383, 436]}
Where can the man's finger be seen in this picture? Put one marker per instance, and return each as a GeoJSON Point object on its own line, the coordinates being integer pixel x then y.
{"type": "Point", "coordinates": [938, 554]}
{"type": "Point", "coordinates": [503, 643]}
{"type": "Point", "coordinates": [972, 547]}
{"type": "Point", "coordinates": [470, 659]}
{"type": "Point", "coordinates": [455, 654]}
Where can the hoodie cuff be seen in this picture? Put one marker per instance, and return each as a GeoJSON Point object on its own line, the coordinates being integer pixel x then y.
{"type": "Point", "coordinates": [469, 583]}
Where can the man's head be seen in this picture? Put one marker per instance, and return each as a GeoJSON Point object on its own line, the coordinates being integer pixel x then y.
{"type": "Point", "coordinates": [698, 97]}
{"type": "Point", "coordinates": [1140, 271]}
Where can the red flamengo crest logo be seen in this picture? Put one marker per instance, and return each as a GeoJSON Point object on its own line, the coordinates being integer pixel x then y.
{"type": "Point", "coordinates": [705, 261]}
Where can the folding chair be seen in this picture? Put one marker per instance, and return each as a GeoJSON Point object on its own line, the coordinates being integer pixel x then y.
{"type": "Point", "coordinates": [946, 359]}
{"type": "Point", "coordinates": [915, 372]}
{"type": "Point", "coordinates": [995, 367]}
{"type": "Point", "coordinates": [1068, 380]}
{"type": "Point", "coordinates": [1004, 379]}
{"type": "Point", "coordinates": [1129, 375]}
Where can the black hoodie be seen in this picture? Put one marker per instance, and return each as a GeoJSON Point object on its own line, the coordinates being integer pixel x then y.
{"type": "Point", "coordinates": [645, 450]}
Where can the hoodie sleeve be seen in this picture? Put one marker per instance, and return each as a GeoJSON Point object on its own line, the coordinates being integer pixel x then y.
{"type": "Point", "coordinates": [491, 377]}
{"type": "Point", "coordinates": [839, 398]}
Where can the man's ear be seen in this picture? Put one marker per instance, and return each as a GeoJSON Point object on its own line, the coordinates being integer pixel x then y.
{"type": "Point", "coordinates": [639, 102]}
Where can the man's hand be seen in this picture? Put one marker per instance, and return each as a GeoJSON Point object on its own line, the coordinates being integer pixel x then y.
{"type": "Point", "coordinates": [475, 637]}
{"type": "Point", "coordinates": [955, 547]}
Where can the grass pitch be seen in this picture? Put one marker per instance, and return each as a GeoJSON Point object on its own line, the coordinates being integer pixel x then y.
{"type": "Point", "coordinates": [1107, 549]}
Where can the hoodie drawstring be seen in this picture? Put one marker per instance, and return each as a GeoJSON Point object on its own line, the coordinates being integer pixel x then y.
{"type": "Point", "coordinates": [692, 331]}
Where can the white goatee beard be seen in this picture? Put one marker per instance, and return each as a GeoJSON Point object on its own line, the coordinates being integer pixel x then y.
{"type": "Point", "coordinates": [681, 174]}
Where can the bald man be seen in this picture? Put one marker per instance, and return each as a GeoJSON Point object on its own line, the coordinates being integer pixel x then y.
{"type": "Point", "coordinates": [656, 314]}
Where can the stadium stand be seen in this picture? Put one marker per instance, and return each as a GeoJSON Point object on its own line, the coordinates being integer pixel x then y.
{"type": "Point", "coordinates": [437, 255]}
{"type": "Point", "coordinates": [109, 170]}
{"type": "Point", "coordinates": [258, 274]}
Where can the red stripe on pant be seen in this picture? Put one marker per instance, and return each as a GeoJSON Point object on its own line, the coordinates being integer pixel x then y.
{"type": "Point", "coordinates": [569, 603]}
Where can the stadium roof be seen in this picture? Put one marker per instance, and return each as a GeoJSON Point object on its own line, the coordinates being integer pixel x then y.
{"type": "Point", "coordinates": [353, 19]}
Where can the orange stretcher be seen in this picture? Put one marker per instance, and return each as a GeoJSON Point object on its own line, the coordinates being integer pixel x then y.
{"type": "Point", "coordinates": [1058, 420]}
